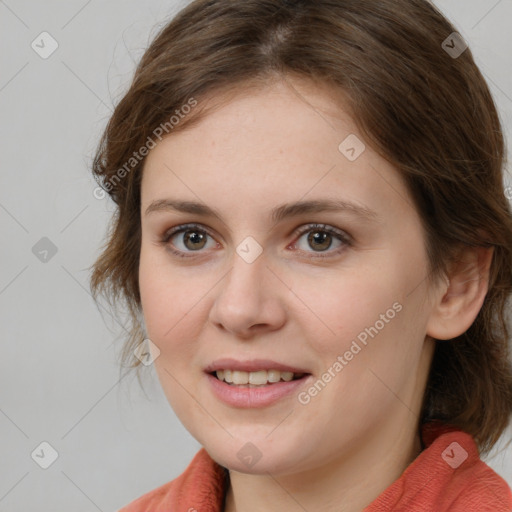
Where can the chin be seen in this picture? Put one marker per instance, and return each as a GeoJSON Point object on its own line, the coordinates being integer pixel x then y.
{"type": "Point", "coordinates": [254, 457]}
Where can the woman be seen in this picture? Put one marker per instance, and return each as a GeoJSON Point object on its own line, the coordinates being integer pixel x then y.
{"type": "Point", "coordinates": [314, 243]}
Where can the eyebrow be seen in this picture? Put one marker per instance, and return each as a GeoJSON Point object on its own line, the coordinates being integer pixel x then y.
{"type": "Point", "coordinates": [277, 214]}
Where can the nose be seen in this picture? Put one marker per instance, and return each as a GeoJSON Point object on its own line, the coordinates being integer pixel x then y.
{"type": "Point", "coordinates": [250, 299]}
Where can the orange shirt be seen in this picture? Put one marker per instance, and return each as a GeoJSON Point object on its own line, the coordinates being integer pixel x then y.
{"type": "Point", "coordinates": [448, 475]}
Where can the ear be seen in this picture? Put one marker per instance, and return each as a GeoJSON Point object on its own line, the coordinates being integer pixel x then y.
{"type": "Point", "coordinates": [458, 301]}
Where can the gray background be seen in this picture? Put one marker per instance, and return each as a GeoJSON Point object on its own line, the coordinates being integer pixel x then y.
{"type": "Point", "coordinates": [59, 377]}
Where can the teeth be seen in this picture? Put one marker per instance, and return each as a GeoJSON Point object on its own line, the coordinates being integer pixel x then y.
{"type": "Point", "coordinates": [274, 376]}
{"type": "Point", "coordinates": [259, 378]}
{"type": "Point", "coordinates": [240, 377]}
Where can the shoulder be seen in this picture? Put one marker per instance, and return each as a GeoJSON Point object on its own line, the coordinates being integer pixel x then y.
{"type": "Point", "coordinates": [467, 482]}
{"type": "Point", "coordinates": [200, 487]}
{"type": "Point", "coordinates": [472, 485]}
{"type": "Point", "coordinates": [448, 476]}
{"type": "Point", "coordinates": [462, 481]}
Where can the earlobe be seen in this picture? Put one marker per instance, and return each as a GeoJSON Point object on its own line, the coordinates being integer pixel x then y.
{"type": "Point", "coordinates": [459, 302]}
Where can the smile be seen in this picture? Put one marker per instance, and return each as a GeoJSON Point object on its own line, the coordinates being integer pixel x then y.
{"type": "Point", "coordinates": [250, 396]}
{"type": "Point", "coordinates": [256, 379]}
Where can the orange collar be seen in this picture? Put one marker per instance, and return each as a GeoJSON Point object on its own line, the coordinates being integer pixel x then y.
{"type": "Point", "coordinates": [447, 475]}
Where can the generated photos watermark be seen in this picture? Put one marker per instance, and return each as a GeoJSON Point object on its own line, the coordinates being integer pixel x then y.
{"type": "Point", "coordinates": [357, 345]}
{"type": "Point", "coordinates": [138, 156]}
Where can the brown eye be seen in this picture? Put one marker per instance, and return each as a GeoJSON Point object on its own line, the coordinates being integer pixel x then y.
{"type": "Point", "coordinates": [194, 240]}
{"type": "Point", "coordinates": [320, 238]}
{"type": "Point", "coordinates": [187, 239]}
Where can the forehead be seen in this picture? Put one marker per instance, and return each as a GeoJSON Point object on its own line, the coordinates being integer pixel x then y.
{"type": "Point", "coordinates": [277, 113]}
{"type": "Point", "coordinates": [280, 139]}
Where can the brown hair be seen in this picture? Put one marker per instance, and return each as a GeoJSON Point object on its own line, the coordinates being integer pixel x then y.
{"type": "Point", "coordinates": [427, 112]}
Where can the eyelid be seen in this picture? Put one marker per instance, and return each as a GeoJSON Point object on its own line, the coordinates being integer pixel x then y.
{"type": "Point", "coordinates": [343, 236]}
{"type": "Point", "coordinates": [184, 227]}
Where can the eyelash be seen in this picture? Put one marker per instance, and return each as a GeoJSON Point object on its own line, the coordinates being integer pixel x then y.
{"type": "Point", "coordinates": [340, 235]}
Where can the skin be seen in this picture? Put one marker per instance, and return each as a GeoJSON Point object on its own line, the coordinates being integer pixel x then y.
{"type": "Point", "coordinates": [257, 150]}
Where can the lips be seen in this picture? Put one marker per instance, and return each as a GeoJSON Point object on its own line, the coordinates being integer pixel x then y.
{"type": "Point", "coordinates": [255, 396]}
{"type": "Point", "coordinates": [252, 365]}
{"type": "Point", "coordinates": [247, 397]}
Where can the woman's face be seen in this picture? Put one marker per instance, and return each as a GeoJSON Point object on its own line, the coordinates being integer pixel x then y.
{"type": "Point", "coordinates": [345, 302]}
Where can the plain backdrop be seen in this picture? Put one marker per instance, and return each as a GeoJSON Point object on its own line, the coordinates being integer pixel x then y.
{"type": "Point", "coordinates": [59, 378]}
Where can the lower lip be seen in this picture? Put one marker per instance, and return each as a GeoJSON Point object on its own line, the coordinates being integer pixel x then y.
{"type": "Point", "coordinates": [254, 397]}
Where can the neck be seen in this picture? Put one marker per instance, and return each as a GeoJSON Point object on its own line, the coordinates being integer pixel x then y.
{"type": "Point", "coordinates": [347, 483]}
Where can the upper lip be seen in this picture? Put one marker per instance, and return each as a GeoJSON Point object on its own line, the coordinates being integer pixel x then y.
{"type": "Point", "coordinates": [251, 365]}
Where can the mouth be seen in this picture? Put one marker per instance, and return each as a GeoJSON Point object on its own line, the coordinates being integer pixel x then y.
{"type": "Point", "coordinates": [255, 389]}
{"type": "Point", "coordinates": [255, 379]}
{"type": "Point", "coordinates": [255, 383]}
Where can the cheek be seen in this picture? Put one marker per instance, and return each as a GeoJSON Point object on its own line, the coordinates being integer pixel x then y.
{"type": "Point", "coordinates": [165, 305]}
{"type": "Point", "coordinates": [171, 318]}
{"type": "Point", "coordinates": [363, 326]}
{"type": "Point", "coordinates": [155, 294]}
{"type": "Point", "coordinates": [338, 308]}
{"type": "Point", "coordinates": [175, 304]}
